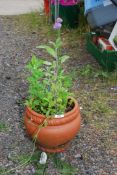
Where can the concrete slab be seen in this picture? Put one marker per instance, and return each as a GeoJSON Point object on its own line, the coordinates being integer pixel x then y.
{"type": "Point", "coordinates": [16, 7]}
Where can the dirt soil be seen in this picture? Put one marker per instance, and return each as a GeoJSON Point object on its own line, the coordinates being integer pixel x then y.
{"type": "Point", "coordinates": [93, 149]}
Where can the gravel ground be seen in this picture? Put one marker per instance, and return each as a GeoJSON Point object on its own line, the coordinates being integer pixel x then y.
{"type": "Point", "coordinates": [90, 151]}
{"type": "Point", "coordinates": [16, 7]}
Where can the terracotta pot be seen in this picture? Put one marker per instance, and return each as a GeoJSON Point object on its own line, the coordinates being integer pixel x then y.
{"type": "Point", "coordinates": [59, 131]}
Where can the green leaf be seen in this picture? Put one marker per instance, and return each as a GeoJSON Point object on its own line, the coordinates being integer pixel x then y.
{"type": "Point", "coordinates": [48, 49]}
{"type": "Point", "coordinates": [64, 58]}
{"type": "Point", "coordinates": [46, 99]}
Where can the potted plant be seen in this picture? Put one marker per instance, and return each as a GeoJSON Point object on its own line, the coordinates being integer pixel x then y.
{"type": "Point", "coordinates": [52, 116]}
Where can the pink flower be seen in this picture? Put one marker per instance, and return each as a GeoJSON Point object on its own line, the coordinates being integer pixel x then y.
{"type": "Point", "coordinates": [57, 25]}
{"type": "Point", "coordinates": [59, 20]}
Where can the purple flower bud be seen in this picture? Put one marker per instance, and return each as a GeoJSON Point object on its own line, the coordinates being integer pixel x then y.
{"type": "Point", "coordinates": [59, 20]}
{"type": "Point", "coordinates": [57, 25]}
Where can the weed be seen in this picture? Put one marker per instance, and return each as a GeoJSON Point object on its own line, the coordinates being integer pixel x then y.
{"type": "Point", "coordinates": [87, 71]}
{"type": "Point", "coordinates": [3, 170]}
{"type": "Point", "coordinates": [83, 26]}
{"type": "Point", "coordinates": [3, 127]}
{"type": "Point", "coordinates": [33, 23]}
{"type": "Point", "coordinates": [63, 167]}
{"type": "Point", "coordinates": [24, 157]}
{"type": "Point", "coordinates": [101, 74]}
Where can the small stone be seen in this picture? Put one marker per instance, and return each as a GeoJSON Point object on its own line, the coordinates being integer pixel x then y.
{"type": "Point", "coordinates": [81, 107]}
{"type": "Point", "coordinates": [79, 156]}
{"type": "Point", "coordinates": [43, 158]}
{"type": "Point", "coordinates": [62, 156]}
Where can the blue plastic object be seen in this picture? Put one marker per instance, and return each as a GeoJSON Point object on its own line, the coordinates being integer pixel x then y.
{"type": "Point", "coordinates": [90, 4]}
{"type": "Point", "coordinates": [100, 12]}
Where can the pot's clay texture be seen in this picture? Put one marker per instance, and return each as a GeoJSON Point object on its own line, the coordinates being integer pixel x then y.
{"type": "Point", "coordinates": [58, 132]}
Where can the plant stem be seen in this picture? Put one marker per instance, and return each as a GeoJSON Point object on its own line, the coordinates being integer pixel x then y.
{"type": "Point", "coordinates": [56, 71]}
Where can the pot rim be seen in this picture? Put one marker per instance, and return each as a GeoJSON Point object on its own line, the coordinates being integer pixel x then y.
{"type": "Point", "coordinates": [37, 118]}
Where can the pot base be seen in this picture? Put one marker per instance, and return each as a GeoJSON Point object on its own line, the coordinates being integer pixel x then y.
{"type": "Point", "coordinates": [54, 150]}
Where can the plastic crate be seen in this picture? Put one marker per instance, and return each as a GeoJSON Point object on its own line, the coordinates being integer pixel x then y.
{"type": "Point", "coordinates": [107, 59]}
